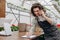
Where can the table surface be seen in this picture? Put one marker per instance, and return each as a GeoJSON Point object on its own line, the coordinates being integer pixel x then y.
{"type": "Point", "coordinates": [16, 36]}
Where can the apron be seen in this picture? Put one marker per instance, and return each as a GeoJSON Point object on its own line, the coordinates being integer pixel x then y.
{"type": "Point", "coordinates": [50, 31]}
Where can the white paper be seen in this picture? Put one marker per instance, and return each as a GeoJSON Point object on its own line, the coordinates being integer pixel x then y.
{"type": "Point", "coordinates": [32, 36]}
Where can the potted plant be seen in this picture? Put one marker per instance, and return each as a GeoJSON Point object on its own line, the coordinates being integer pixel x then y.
{"type": "Point", "coordinates": [14, 28]}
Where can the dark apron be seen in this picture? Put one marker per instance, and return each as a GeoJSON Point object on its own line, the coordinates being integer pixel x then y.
{"type": "Point", "coordinates": [50, 31]}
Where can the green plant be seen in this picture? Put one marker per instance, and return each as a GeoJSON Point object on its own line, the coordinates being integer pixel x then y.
{"type": "Point", "coordinates": [59, 3]}
{"type": "Point", "coordinates": [56, 0]}
{"type": "Point", "coordinates": [14, 28]}
{"type": "Point", "coordinates": [1, 28]}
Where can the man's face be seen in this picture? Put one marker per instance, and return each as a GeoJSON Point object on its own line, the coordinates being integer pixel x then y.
{"type": "Point", "coordinates": [37, 11]}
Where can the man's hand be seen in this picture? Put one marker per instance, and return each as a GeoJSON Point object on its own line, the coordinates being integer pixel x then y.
{"type": "Point", "coordinates": [42, 13]}
{"type": "Point", "coordinates": [28, 34]}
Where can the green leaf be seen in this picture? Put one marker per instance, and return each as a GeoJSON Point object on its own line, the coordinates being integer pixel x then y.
{"type": "Point", "coordinates": [14, 28]}
{"type": "Point", "coordinates": [56, 0]}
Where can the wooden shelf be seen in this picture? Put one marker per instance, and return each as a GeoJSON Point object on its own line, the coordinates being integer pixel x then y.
{"type": "Point", "coordinates": [2, 8]}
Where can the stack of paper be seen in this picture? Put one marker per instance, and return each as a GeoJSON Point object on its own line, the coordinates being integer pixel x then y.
{"type": "Point", "coordinates": [32, 36]}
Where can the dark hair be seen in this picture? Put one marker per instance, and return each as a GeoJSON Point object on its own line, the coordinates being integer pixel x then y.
{"type": "Point", "coordinates": [37, 5]}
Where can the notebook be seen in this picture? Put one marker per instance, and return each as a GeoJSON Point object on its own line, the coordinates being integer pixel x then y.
{"type": "Point", "coordinates": [32, 36]}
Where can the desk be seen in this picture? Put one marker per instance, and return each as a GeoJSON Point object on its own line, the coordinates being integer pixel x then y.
{"type": "Point", "coordinates": [16, 36]}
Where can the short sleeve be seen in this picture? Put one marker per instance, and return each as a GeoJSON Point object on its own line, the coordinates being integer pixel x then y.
{"type": "Point", "coordinates": [33, 23]}
{"type": "Point", "coordinates": [52, 16]}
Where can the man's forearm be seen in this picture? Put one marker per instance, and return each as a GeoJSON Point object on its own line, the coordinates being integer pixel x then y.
{"type": "Point", "coordinates": [48, 19]}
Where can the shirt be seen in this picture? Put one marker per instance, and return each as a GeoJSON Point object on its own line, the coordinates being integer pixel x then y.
{"type": "Point", "coordinates": [34, 21]}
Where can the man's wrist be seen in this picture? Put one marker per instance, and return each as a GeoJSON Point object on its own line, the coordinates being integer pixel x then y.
{"type": "Point", "coordinates": [45, 17]}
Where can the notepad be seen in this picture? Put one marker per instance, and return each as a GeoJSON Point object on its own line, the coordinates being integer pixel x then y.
{"type": "Point", "coordinates": [32, 36]}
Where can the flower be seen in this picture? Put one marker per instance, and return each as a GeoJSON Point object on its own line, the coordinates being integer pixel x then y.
{"type": "Point", "coordinates": [58, 25]}
{"type": "Point", "coordinates": [13, 25]}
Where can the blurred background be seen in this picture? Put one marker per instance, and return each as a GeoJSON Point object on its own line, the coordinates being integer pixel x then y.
{"type": "Point", "coordinates": [17, 16]}
{"type": "Point", "coordinates": [19, 10]}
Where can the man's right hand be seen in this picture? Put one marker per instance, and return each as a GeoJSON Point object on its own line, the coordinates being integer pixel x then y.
{"type": "Point", "coordinates": [28, 34]}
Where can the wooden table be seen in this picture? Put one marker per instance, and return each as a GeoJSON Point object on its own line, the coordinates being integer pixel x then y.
{"type": "Point", "coordinates": [16, 36]}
